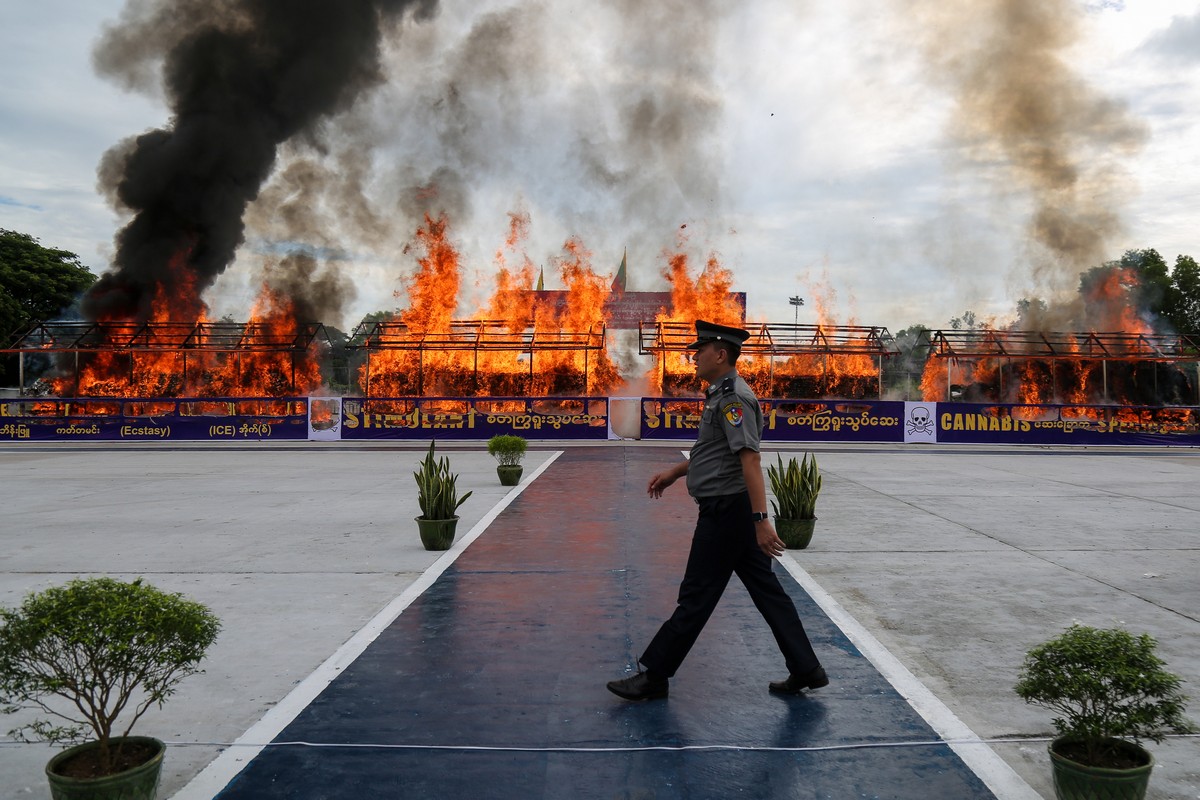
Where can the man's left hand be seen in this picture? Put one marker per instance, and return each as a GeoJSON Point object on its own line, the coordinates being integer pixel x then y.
{"type": "Point", "coordinates": [768, 541]}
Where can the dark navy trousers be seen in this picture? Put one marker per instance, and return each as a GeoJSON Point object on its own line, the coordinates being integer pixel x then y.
{"type": "Point", "coordinates": [724, 544]}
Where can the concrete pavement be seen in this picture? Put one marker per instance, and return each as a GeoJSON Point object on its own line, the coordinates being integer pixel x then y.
{"type": "Point", "coordinates": [956, 560]}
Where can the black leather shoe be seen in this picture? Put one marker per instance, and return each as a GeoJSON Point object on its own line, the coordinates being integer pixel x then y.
{"type": "Point", "coordinates": [639, 687]}
{"type": "Point", "coordinates": [795, 684]}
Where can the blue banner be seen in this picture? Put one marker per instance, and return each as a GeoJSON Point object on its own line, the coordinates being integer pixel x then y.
{"type": "Point", "coordinates": [786, 420]}
{"type": "Point", "coordinates": [1059, 424]}
{"type": "Point", "coordinates": [156, 420]}
{"type": "Point", "coordinates": [917, 422]}
{"type": "Point", "coordinates": [474, 418]}
{"type": "Point", "coordinates": [583, 418]}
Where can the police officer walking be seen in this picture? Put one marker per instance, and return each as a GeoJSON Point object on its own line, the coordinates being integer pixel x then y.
{"type": "Point", "coordinates": [733, 532]}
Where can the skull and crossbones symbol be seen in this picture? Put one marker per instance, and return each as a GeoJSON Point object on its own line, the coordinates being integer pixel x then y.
{"type": "Point", "coordinates": [919, 421]}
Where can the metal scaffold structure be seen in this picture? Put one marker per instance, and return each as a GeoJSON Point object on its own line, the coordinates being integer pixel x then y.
{"type": "Point", "coordinates": [476, 337]}
{"type": "Point", "coordinates": [131, 340]}
{"type": "Point", "coordinates": [1051, 348]}
{"type": "Point", "coordinates": [776, 345]}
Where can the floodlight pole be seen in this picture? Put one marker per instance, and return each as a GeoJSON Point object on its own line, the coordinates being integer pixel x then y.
{"type": "Point", "coordinates": [796, 301]}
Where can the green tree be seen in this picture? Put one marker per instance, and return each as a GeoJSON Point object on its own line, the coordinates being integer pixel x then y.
{"type": "Point", "coordinates": [1184, 312]}
{"type": "Point", "coordinates": [36, 283]}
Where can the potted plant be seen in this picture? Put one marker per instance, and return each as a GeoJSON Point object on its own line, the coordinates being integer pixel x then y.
{"type": "Point", "coordinates": [90, 653]}
{"type": "Point", "coordinates": [795, 486]}
{"type": "Point", "coordinates": [508, 451]}
{"type": "Point", "coordinates": [1111, 691]}
{"type": "Point", "coordinates": [439, 500]}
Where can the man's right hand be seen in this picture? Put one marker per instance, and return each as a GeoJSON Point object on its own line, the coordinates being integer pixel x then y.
{"type": "Point", "coordinates": [660, 482]}
{"type": "Point", "coordinates": [665, 478]}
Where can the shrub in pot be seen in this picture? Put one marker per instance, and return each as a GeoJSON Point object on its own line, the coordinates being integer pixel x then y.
{"type": "Point", "coordinates": [508, 451]}
{"type": "Point", "coordinates": [437, 494]}
{"type": "Point", "coordinates": [795, 486]}
{"type": "Point", "coordinates": [1111, 691]}
{"type": "Point", "coordinates": [93, 656]}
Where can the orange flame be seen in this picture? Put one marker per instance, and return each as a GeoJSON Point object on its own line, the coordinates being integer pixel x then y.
{"type": "Point", "coordinates": [540, 350]}
{"type": "Point", "coordinates": [175, 365]}
{"type": "Point", "coordinates": [708, 296]}
{"type": "Point", "coordinates": [1108, 308]}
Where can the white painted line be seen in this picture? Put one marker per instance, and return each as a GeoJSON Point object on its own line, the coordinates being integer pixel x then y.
{"type": "Point", "coordinates": [1002, 779]}
{"type": "Point", "coordinates": [225, 767]}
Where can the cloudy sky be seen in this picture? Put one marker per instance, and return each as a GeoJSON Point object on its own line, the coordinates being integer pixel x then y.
{"type": "Point", "coordinates": [894, 163]}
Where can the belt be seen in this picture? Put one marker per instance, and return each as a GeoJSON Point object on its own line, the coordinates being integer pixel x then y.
{"type": "Point", "coordinates": [697, 500]}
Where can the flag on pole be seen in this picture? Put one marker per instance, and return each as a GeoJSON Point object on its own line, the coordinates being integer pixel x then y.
{"type": "Point", "coordinates": [541, 287]}
{"type": "Point", "coordinates": [618, 284]}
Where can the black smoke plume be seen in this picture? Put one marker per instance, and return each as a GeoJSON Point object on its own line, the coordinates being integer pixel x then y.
{"type": "Point", "coordinates": [241, 77]}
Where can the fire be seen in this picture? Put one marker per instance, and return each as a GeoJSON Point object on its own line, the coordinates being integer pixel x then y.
{"type": "Point", "coordinates": [935, 379]}
{"type": "Point", "coordinates": [829, 374]}
{"type": "Point", "coordinates": [517, 344]}
{"type": "Point", "coordinates": [323, 414]}
{"type": "Point", "coordinates": [1119, 359]}
{"type": "Point", "coordinates": [586, 293]}
{"type": "Point", "coordinates": [177, 351]}
{"type": "Point", "coordinates": [521, 342]}
{"type": "Point", "coordinates": [707, 297]}
{"type": "Point", "coordinates": [433, 291]}
{"type": "Point", "coordinates": [820, 373]}
{"type": "Point", "coordinates": [266, 371]}
{"type": "Point", "coordinates": [1110, 305]}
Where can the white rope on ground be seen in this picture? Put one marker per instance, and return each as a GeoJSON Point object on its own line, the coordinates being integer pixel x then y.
{"type": "Point", "coordinates": [741, 748]}
{"type": "Point", "coordinates": [628, 748]}
{"type": "Point", "coordinates": [682, 748]}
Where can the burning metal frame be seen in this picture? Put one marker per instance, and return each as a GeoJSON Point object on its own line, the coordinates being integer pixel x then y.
{"type": "Point", "coordinates": [1053, 347]}
{"type": "Point", "coordinates": [474, 336]}
{"type": "Point", "coordinates": [772, 341]}
{"type": "Point", "coordinates": [171, 338]}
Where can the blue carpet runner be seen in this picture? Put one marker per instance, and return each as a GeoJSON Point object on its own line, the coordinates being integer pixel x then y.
{"type": "Point", "coordinates": [511, 648]}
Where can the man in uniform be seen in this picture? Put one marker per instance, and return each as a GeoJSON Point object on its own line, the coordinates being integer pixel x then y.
{"type": "Point", "coordinates": [733, 532]}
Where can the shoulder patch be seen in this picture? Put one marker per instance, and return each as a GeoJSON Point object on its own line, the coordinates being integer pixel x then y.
{"type": "Point", "coordinates": [734, 414]}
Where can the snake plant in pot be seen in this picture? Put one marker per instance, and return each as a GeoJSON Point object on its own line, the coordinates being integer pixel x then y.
{"type": "Point", "coordinates": [795, 486]}
{"type": "Point", "coordinates": [1111, 691]}
{"type": "Point", "coordinates": [437, 494]}
{"type": "Point", "coordinates": [91, 653]}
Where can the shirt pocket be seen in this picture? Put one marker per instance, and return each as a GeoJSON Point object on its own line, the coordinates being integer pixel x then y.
{"type": "Point", "coordinates": [707, 425]}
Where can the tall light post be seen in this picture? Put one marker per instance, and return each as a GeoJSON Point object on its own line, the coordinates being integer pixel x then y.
{"type": "Point", "coordinates": [797, 301]}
